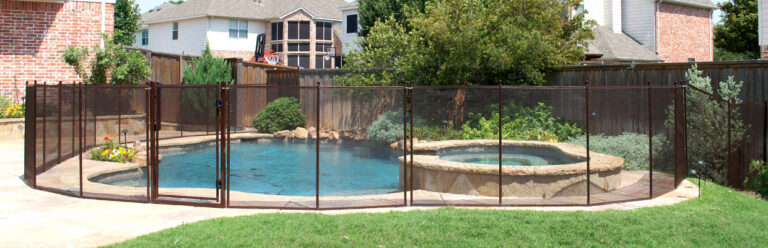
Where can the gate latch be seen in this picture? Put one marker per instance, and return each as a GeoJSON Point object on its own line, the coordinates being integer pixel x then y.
{"type": "Point", "coordinates": [219, 103]}
{"type": "Point", "coordinates": [218, 183]}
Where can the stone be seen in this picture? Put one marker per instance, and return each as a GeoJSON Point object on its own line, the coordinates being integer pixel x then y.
{"type": "Point", "coordinates": [333, 135]}
{"type": "Point", "coordinates": [282, 134]}
{"type": "Point", "coordinates": [301, 133]}
{"type": "Point", "coordinates": [324, 135]}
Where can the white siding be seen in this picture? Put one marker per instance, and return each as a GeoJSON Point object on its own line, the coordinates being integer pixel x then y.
{"type": "Point", "coordinates": [596, 11]}
{"type": "Point", "coordinates": [762, 7]}
{"type": "Point", "coordinates": [218, 36]}
{"type": "Point", "coordinates": [349, 40]}
{"type": "Point", "coordinates": [639, 21]}
{"type": "Point", "coordinates": [192, 37]}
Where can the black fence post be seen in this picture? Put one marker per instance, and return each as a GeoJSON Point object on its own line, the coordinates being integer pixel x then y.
{"type": "Point", "coordinates": [650, 142]}
{"type": "Point", "coordinates": [589, 171]}
{"type": "Point", "coordinates": [405, 144]}
{"type": "Point", "coordinates": [501, 191]}
{"type": "Point", "coordinates": [317, 146]}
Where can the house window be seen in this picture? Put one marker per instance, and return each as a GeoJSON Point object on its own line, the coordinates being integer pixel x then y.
{"type": "Point", "coordinates": [298, 30]}
{"type": "Point", "coordinates": [277, 47]}
{"type": "Point", "coordinates": [321, 48]}
{"type": "Point", "coordinates": [175, 32]}
{"type": "Point", "coordinates": [323, 31]}
{"type": "Point", "coordinates": [298, 47]}
{"type": "Point", "coordinates": [144, 37]}
{"type": "Point", "coordinates": [321, 63]}
{"type": "Point", "coordinates": [351, 24]}
{"type": "Point", "coordinates": [238, 29]}
{"type": "Point", "coordinates": [277, 31]}
{"type": "Point", "coordinates": [301, 61]}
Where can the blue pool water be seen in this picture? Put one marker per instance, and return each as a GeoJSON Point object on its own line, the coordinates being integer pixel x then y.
{"type": "Point", "coordinates": [278, 168]}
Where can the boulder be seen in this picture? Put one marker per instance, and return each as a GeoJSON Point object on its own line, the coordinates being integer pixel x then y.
{"type": "Point", "coordinates": [399, 145]}
{"type": "Point", "coordinates": [333, 135]}
{"type": "Point", "coordinates": [281, 134]}
{"type": "Point", "coordinates": [301, 133]}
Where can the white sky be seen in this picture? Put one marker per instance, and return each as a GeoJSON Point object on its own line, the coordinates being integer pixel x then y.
{"type": "Point", "coordinates": [148, 4]}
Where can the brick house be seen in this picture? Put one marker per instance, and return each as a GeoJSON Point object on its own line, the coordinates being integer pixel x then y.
{"type": "Point", "coordinates": [672, 30]}
{"type": "Point", "coordinates": [34, 33]}
{"type": "Point", "coordinates": [299, 31]}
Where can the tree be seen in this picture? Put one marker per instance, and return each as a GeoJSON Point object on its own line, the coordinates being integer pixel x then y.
{"type": "Point", "coordinates": [127, 22]}
{"type": "Point", "coordinates": [372, 11]}
{"type": "Point", "coordinates": [111, 64]}
{"type": "Point", "coordinates": [738, 31]}
{"type": "Point", "coordinates": [465, 42]}
{"type": "Point", "coordinates": [176, 2]}
{"type": "Point", "coordinates": [207, 69]}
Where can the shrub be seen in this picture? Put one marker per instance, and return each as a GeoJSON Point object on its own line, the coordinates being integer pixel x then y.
{"type": "Point", "coordinates": [436, 133]}
{"type": "Point", "coordinates": [111, 151]}
{"type": "Point", "coordinates": [759, 181]}
{"type": "Point", "coordinates": [521, 123]}
{"type": "Point", "coordinates": [111, 64]}
{"type": "Point", "coordinates": [388, 128]}
{"type": "Point", "coordinates": [4, 102]}
{"type": "Point", "coordinates": [281, 114]}
{"type": "Point", "coordinates": [199, 102]}
{"type": "Point", "coordinates": [633, 147]}
{"type": "Point", "coordinates": [13, 111]}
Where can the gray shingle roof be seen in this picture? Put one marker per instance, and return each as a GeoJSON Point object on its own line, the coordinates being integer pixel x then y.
{"type": "Point", "coordinates": [246, 9]}
{"type": "Point", "coordinates": [619, 47]}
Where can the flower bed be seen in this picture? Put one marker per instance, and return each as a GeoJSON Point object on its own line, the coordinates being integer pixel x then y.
{"type": "Point", "coordinates": [111, 151]}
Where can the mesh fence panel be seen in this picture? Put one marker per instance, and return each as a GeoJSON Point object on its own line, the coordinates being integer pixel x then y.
{"type": "Point", "coordinates": [707, 133]}
{"type": "Point", "coordinates": [60, 173]}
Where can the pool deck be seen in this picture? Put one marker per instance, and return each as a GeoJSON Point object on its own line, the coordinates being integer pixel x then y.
{"type": "Point", "coordinates": [36, 218]}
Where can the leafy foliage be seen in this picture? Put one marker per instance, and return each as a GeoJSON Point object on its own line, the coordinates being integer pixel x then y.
{"type": "Point", "coordinates": [207, 69]}
{"type": "Point", "coordinates": [373, 11]}
{"type": "Point", "coordinates": [738, 33]}
{"type": "Point", "coordinates": [388, 128]}
{"type": "Point", "coordinates": [436, 133]}
{"type": "Point", "coordinates": [707, 120]}
{"type": "Point", "coordinates": [723, 55]}
{"type": "Point", "coordinates": [633, 147]}
{"type": "Point", "coordinates": [112, 64]}
{"type": "Point", "coordinates": [111, 151]}
{"type": "Point", "coordinates": [468, 42]}
{"type": "Point", "coordinates": [127, 21]}
{"type": "Point", "coordinates": [759, 182]}
{"type": "Point", "coordinates": [13, 111]}
{"type": "Point", "coordinates": [521, 123]}
{"type": "Point", "coordinates": [281, 114]}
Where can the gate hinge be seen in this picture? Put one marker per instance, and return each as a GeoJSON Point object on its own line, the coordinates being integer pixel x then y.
{"type": "Point", "coordinates": [154, 127]}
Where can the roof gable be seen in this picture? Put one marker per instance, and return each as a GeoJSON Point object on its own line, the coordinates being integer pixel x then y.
{"type": "Point", "coordinates": [247, 9]}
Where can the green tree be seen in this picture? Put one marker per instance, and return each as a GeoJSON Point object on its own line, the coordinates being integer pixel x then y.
{"type": "Point", "coordinates": [176, 2]}
{"type": "Point", "coordinates": [372, 11]}
{"type": "Point", "coordinates": [111, 64]}
{"type": "Point", "coordinates": [738, 31]}
{"type": "Point", "coordinates": [464, 42]}
{"type": "Point", "coordinates": [207, 69]}
{"type": "Point", "coordinates": [127, 22]}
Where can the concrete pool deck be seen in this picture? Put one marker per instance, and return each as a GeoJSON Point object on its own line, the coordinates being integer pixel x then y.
{"type": "Point", "coordinates": [35, 218]}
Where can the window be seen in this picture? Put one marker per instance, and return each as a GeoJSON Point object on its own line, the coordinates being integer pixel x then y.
{"type": "Point", "coordinates": [351, 24]}
{"type": "Point", "coordinates": [321, 63]}
{"type": "Point", "coordinates": [323, 31]}
{"type": "Point", "coordinates": [321, 48]}
{"type": "Point", "coordinates": [277, 31]}
{"type": "Point", "coordinates": [298, 30]}
{"type": "Point", "coordinates": [238, 29]}
{"type": "Point", "coordinates": [298, 47]}
{"type": "Point", "coordinates": [277, 47]}
{"type": "Point", "coordinates": [175, 33]}
{"type": "Point", "coordinates": [144, 37]}
{"type": "Point", "coordinates": [301, 61]}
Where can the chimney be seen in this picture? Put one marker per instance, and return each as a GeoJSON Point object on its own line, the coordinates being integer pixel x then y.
{"type": "Point", "coordinates": [615, 12]}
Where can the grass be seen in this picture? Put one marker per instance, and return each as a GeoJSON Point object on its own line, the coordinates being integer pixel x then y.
{"type": "Point", "coordinates": [723, 218]}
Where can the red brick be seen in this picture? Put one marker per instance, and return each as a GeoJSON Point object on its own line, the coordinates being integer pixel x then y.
{"type": "Point", "coordinates": [684, 32]}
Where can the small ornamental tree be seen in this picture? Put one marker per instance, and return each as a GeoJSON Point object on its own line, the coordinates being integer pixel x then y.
{"type": "Point", "coordinates": [738, 32]}
{"type": "Point", "coordinates": [199, 103]}
{"type": "Point", "coordinates": [112, 64]}
{"type": "Point", "coordinates": [281, 114]}
{"type": "Point", "coordinates": [127, 21]}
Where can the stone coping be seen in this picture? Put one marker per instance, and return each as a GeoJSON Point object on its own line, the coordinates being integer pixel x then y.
{"type": "Point", "coordinates": [11, 120]}
{"type": "Point", "coordinates": [599, 162]}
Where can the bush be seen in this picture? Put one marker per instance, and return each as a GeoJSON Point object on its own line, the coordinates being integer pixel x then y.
{"type": "Point", "coordinates": [521, 123]}
{"type": "Point", "coordinates": [281, 114]}
{"type": "Point", "coordinates": [388, 128]}
{"type": "Point", "coordinates": [759, 182]}
{"type": "Point", "coordinates": [199, 103]}
{"type": "Point", "coordinates": [633, 147]}
{"type": "Point", "coordinates": [436, 133]}
{"type": "Point", "coordinates": [111, 64]}
{"type": "Point", "coordinates": [111, 151]}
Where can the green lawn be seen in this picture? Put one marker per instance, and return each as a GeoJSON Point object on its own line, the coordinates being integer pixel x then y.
{"type": "Point", "coordinates": [723, 218]}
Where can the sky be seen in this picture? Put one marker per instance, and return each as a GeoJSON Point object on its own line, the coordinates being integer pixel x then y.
{"type": "Point", "coordinates": [148, 4]}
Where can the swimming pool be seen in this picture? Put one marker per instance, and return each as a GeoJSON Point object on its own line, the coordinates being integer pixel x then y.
{"type": "Point", "coordinates": [272, 166]}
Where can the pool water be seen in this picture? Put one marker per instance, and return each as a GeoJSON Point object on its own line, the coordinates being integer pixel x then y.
{"type": "Point", "coordinates": [511, 155]}
{"type": "Point", "coordinates": [272, 166]}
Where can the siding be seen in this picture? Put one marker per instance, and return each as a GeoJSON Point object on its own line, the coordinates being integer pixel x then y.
{"type": "Point", "coordinates": [638, 21]}
{"type": "Point", "coordinates": [762, 7]}
{"type": "Point", "coordinates": [192, 37]}
{"type": "Point", "coordinates": [218, 36]}
{"type": "Point", "coordinates": [349, 41]}
{"type": "Point", "coordinates": [596, 10]}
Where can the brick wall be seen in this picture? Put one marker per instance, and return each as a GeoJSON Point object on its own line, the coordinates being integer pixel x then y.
{"type": "Point", "coordinates": [684, 32]}
{"type": "Point", "coordinates": [33, 36]}
{"type": "Point", "coordinates": [245, 55]}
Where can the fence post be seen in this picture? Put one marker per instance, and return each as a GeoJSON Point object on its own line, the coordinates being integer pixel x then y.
{"type": "Point", "coordinates": [410, 172]}
{"type": "Point", "coordinates": [404, 180]}
{"type": "Point", "coordinates": [317, 146]}
{"type": "Point", "coordinates": [58, 158]}
{"type": "Point", "coordinates": [30, 135]}
{"type": "Point", "coordinates": [650, 142]}
{"type": "Point", "coordinates": [501, 192]}
{"type": "Point", "coordinates": [729, 160]}
{"type": "Point", "coordinates": [80, 133]}
{"type": "Point", "coordinates": [45, 122]}
{"type": "Point", "coordinates": [589, 171]}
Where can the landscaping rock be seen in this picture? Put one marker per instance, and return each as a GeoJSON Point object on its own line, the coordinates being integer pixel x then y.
{"type": "Point", "coordinates": [301, 133]}
{"type": "Point", "coordinates": [282, 134]}
{"type": "Point", "coordinates": [333, 135]}
{"type": "Point", "coordinates": [399, 145]}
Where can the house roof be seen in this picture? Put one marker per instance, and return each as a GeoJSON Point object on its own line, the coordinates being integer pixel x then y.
{"type": "Point", "coordinates": [618, 47]}
{"type": "Point", "coordinates": [707, 4]}
{"type": "Point", "coordinates": [245, 9]}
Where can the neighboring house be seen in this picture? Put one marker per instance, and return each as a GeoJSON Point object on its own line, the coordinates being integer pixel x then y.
{"type": "Point", "coordinates": [300, 31]}
{"type": "Point", "coordinates": [670, 30]}
{"type": "Point", "coordinates": [33, 36]}
{"type": "Point", "coordinates": [762, 17]}
{"type": "Point", "coordinates": [351, 27]}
